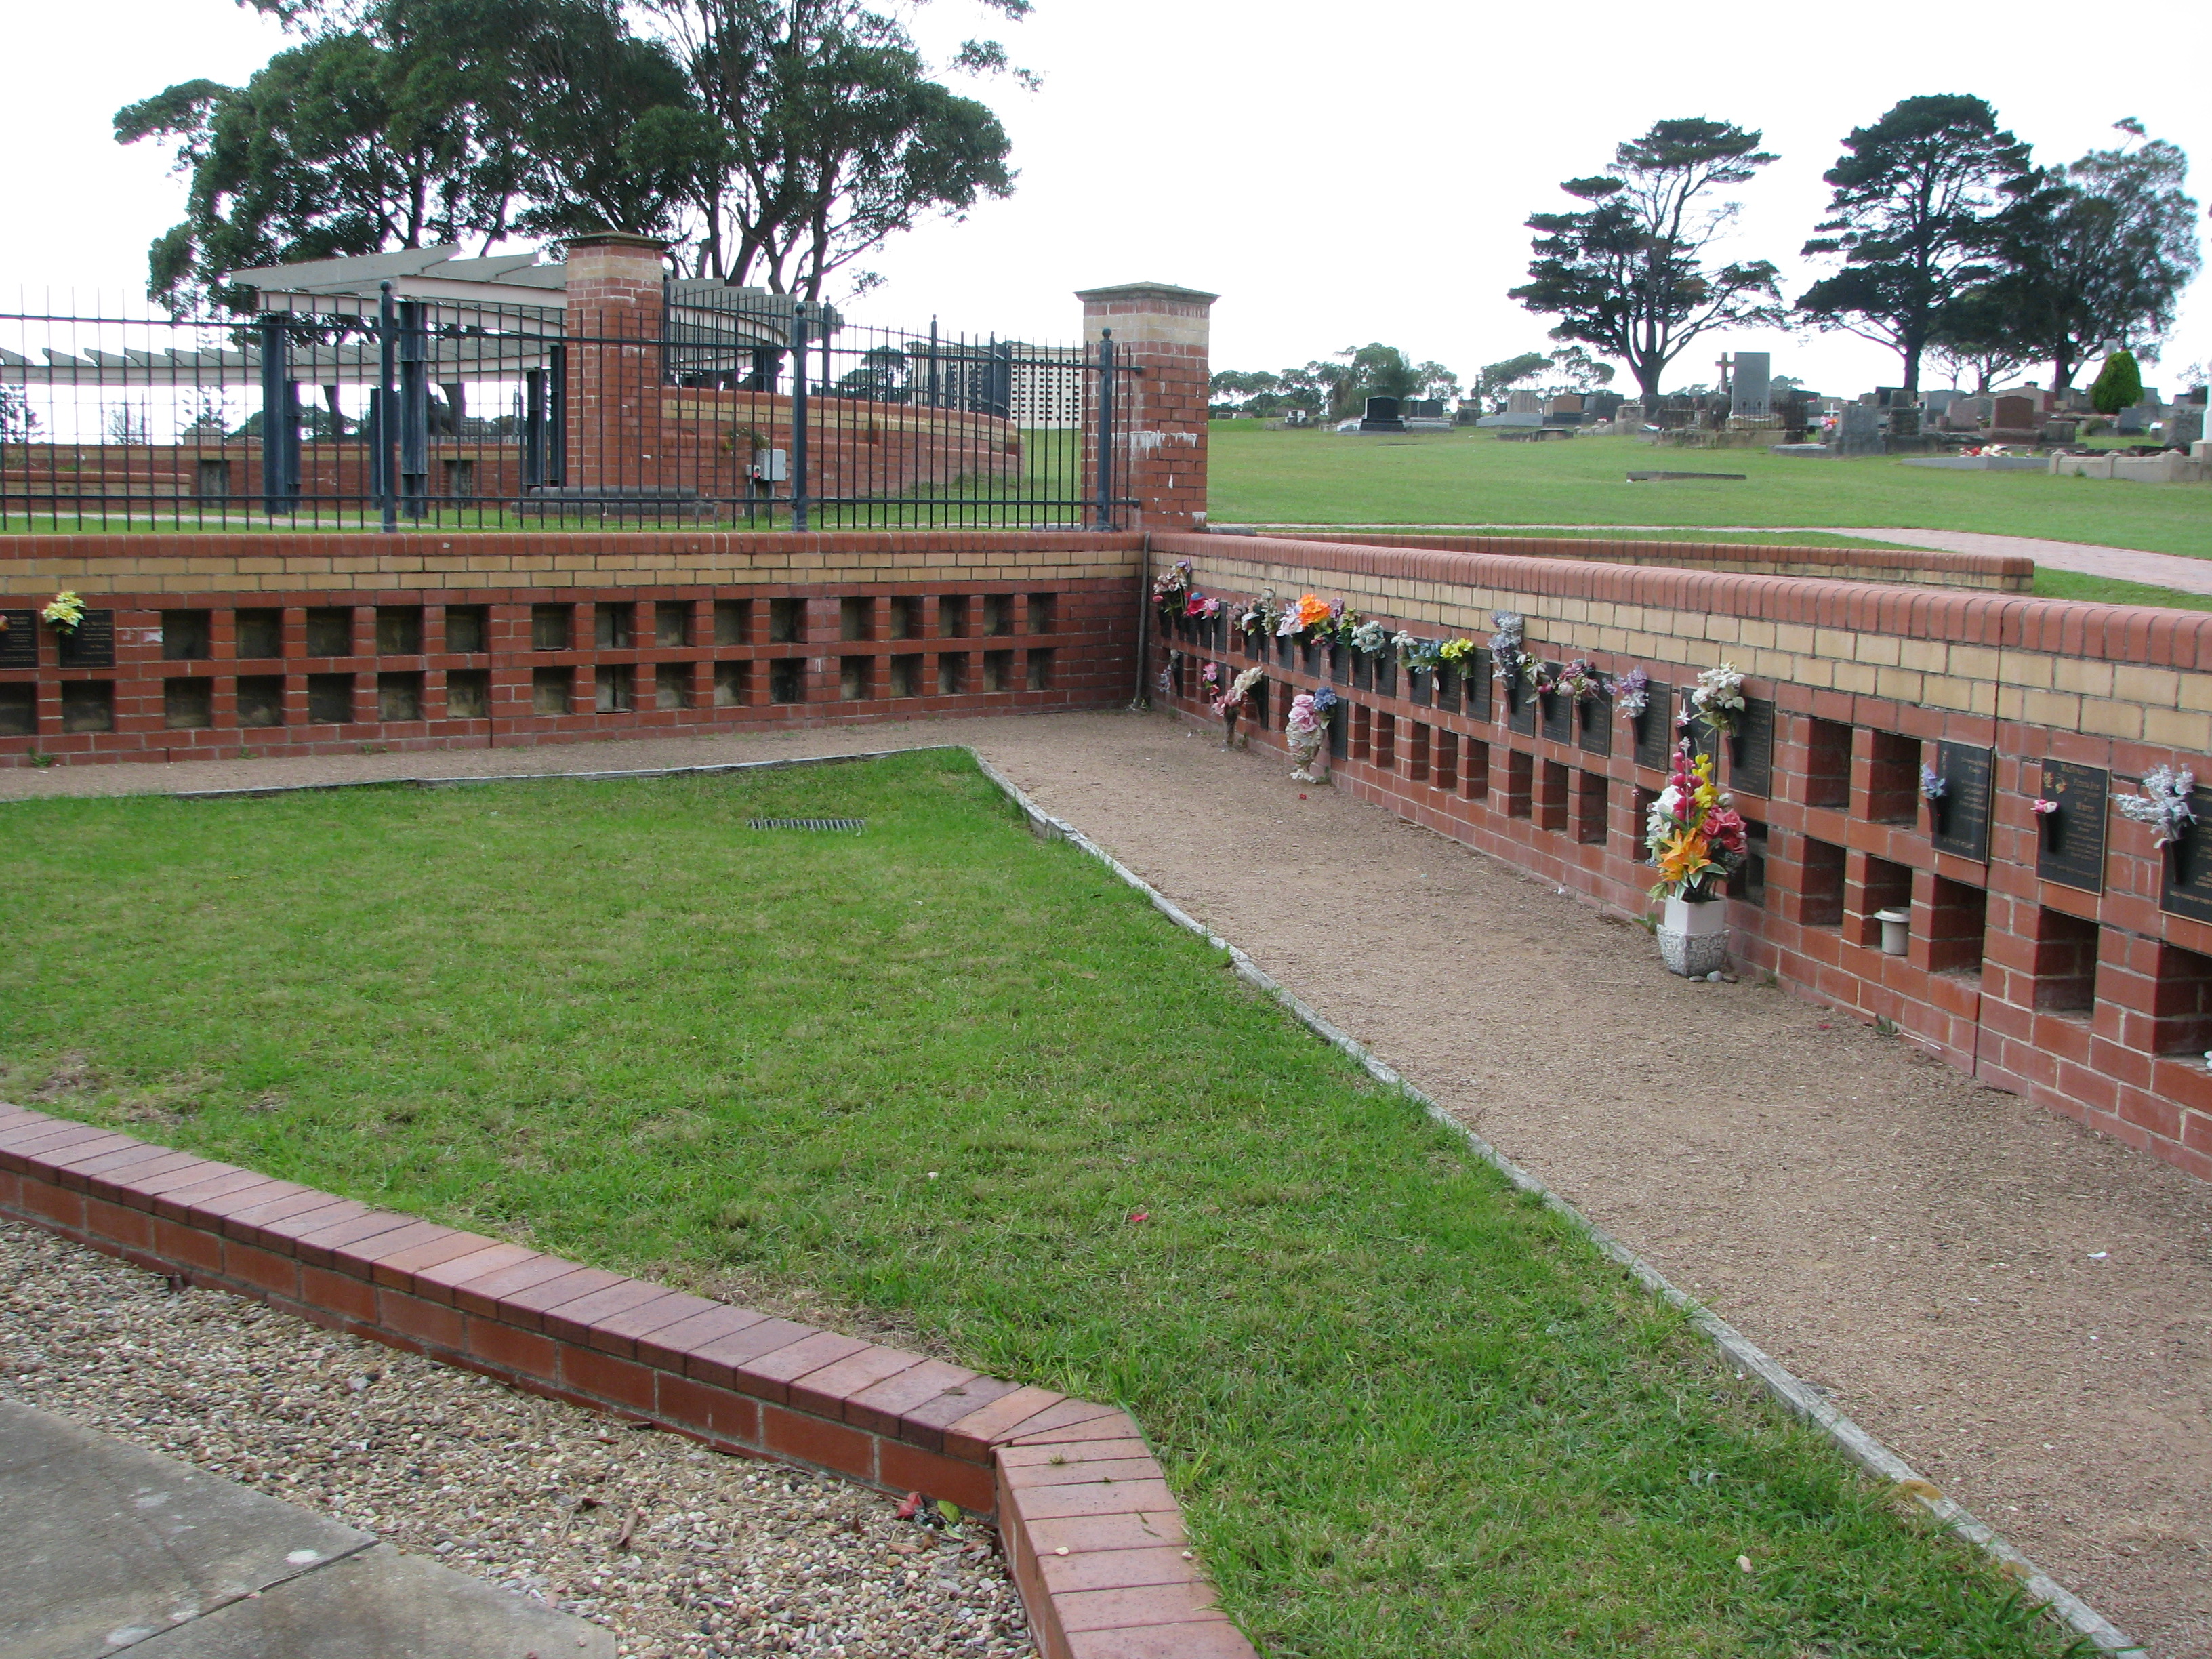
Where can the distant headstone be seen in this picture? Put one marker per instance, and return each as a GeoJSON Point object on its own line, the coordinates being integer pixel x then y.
{"type": "Point", "coordinates": [1935, 402]}
{"type": "Point", "coordinates": [1754, 385]}
{"type": "Point", "coordinates": [1524, 402]}
{"type": "Point", "coordinates": [2060, 432]}
{"type": "Point", "coordinates": [2014, 413]}
{"type": "Point", "coordinates": [1967, 414]}
{"type": "Point", "coordinates": [2184, 426]}
{"type": "Point", "coordinates": [2133, 422]}
{"type": "Point", "coordinates": [1884, 395]}
{"type": "Point", "coordinates": [1859, 430]}
{"type": "Point", "coordinates": [1382, 415]}
{"type": "Point", "coordinates": [1904, 420]}
{"type": "Point", "coordinates": [1424, 408]}
{"type": "Point", "coordinates": [1567, 403]}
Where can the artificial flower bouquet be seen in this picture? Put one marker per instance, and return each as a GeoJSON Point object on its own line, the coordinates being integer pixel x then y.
{"type": "Point", "coordinates": [1692, 832]}
{"type": "Point", "coordinates": [2163, 802]}
{"type": "Point", "coordinates": [1580, 682]}
{"type": "Point", "coordinates": [1717, 700]}
{"type": "Point", "coordinates": [65, 612]}
{"type": "Point", "coordinates": [1631, 694]}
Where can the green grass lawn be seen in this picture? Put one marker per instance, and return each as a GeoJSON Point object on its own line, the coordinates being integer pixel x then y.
{"type": "Point", "coordinates": [931, 1073]}
{"type": "Point", "coordinates": [1262, 477]}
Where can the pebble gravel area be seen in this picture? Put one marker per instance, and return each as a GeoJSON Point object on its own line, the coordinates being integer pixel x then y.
{"type": "Point", "coordinates": [684, 1553]}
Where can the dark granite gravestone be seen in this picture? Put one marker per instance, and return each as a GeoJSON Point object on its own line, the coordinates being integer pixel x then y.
{"type": "Point", "coordinates": [1654, 732]}
{"type": "Point", "coordinates": [2071, 849]}
{"type": "Point", "coordinates": [1962, 817]}
{"type": "Point", "coordinates": [1422, 409]}
{"type": "Point", "coordinates": [1558, 711]}
{"type": "Point", "coordinates": [91, 643]}
{"type": "Point", "coordinates": [1595, 718]}
{"type": "Point", "coordinates": [19, 639]}
{"type": "Point", "coordinates": [1382, 415]}
{"type": "Point", "coordinates": [2186, 890]}
{"type": "Point", "coordinates": [1751, 749]}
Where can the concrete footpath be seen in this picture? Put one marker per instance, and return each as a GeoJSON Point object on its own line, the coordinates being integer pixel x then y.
{"type": "Point", "coordinates": [108, 1547]}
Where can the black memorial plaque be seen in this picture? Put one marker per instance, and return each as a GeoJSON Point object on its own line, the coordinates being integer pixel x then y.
{"type": "Point", "coordinates": [1362, 673]}
{"type": "Point", "coordinates": [91, 643]}
{"type": "Point", "coordinates": [1448, 690]}
{"type": "Point", "coordinates": [1654, 728]}
{"type": "Point", "coordinates": [1962, 817]}
{"type": "Point", "coordinates": [1420, 683]}
{"type": "Point", "coordinates": [1521, 709]}
{"type": "Point", "coordinates": [2070, 843]}
{"type": "Point", "coordinates": [1558, 711]}
{"type": "Point", "coordinates": [1751, 750]}
{"type": "Point", "coordinates": [1479, 685]}
{"type": "Point", "coordinates": [1595, 716]}
{"type": "Point", "coordinates": [19, 639]}
{"type": "Point", "coordinates": [2186, 890]}
{"type": "Point", "coordinates": [1311, 655]}
{"type": "Point", "coordinates": [1386, 675]}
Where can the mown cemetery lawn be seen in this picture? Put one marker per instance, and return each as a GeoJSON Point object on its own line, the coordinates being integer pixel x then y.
{"type": "Point", "coordinates": [961, 1083]}
{"type": "Point", "coordinates": [1284, 476]}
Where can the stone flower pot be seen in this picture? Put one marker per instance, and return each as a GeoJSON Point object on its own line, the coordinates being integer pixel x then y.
{"type": "Point", "coordinates": [1693, 937]}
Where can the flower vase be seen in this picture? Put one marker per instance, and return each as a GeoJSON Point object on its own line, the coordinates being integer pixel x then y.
{"type": "Point", "coordinates": [2054, 832]}
{"type": "Point", "coordinates": [1312, 757]}
{"type": "Point", "coordinates": [1693, 937]}
{"type": "Point", "coordinates": [1936, 818]}
{"type": "Point", "coordinates": [1228, 729]}
{"type": "Point", "coordinates": [1736, 745]}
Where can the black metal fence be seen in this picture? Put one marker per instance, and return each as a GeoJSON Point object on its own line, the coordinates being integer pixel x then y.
{"type": "Point", "coordinates": [411, 412]}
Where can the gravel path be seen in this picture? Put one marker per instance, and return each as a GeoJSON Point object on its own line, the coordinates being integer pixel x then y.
{"type": "Point", "coordinates": [2022, 1308]}
{"type": "Point", "coordinates": [683, 1552]}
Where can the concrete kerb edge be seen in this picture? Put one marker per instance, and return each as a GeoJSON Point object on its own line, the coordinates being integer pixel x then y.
{"type": "Point", "coordinates": [1798, 1397]}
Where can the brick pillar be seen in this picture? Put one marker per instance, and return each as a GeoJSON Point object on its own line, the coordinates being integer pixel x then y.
{"type": "Point", "coordinates": [613, 329]}
{"type": "Point", "coordinates": [1161, 338]}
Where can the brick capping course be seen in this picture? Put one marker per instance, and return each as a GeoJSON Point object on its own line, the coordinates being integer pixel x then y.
{"type": "Point", "coordinates": [2007, 572]}
{"type": "Point", "coordinates": [1092, 1533]}
{"type": "Point", "coordinates": [2133, 634]}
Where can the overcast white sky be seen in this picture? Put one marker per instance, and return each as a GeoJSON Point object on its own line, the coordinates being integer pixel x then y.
{"type": "Point", "coordinates": [1337, 174]}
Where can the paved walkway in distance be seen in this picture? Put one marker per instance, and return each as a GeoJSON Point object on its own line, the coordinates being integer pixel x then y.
{"type": "Point", "coordinates": [109, 1548]}
{"type": "Point", "coordinates": [2124, 564]}
{"type": "Point", "coordinates": [2016, 1305]}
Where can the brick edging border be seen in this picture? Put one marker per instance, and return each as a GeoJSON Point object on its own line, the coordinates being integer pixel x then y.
{"type": "Point", "coordinates": [1094, 1536]}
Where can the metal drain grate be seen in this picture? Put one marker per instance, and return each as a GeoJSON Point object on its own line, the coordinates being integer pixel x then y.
{"type": "Point", "coordinates": [806, 823]}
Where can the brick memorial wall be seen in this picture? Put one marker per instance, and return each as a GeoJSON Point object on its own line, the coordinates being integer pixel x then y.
{"type": "Point", "coordinates": [209, 647]}
{"type": "Point", "coordinates": [2063, 958]}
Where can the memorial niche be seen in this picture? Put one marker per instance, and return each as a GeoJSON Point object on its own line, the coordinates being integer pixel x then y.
{"type": "Point", "coordinates": [19, 639]}
{"type": "Point", "coordinates": [1751, 749]}
{"type": "Point", "coordinates": [91, 643]}
{"type": "Point", "coordinates": [2185, 886]}
{"type": "Point", "coordinates": [1654, 733]}
{"type": "Point", "coordinates": [1962, 812]}
{"type": "Point", "coordinates": [2070, 842]}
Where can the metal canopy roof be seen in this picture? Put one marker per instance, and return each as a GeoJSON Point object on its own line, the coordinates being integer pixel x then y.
{"type": "Point", "coordinates": [464, 357]}
{"type": "Point", "coordinates": [492, 292]}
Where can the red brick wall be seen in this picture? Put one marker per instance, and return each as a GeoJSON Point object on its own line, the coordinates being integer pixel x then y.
{"type": "Point", "coordinates": [853, 632]}
{"type": "Point", "coordinates": [1998, 980]}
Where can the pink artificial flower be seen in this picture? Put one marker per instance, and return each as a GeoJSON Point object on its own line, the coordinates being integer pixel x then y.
{"type": "Point", "coordinates": [1724, 829]}
{"type": "Point", "coordinates": [1195, 605]}
{"type": "Point", "coordinates": [2044, 808]}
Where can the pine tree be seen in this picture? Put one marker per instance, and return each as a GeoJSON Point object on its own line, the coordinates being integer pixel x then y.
{"type": "Point", "coordinates": [2119, 384]}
